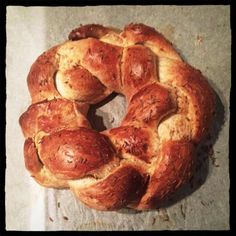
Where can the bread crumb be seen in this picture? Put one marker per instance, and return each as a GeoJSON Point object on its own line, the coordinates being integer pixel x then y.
{"type": "Point", "coordinates": [182, 210]}
{"type": "Point", "coordinates": [164, 215]}
{"type": "Point", "coordinates": [199, 40]}
{"type": "Point", "coordinates": [153, 220]}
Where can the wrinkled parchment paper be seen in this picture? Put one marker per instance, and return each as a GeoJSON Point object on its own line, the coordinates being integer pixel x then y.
{"type": "Point", "coordinates": [203, 37]}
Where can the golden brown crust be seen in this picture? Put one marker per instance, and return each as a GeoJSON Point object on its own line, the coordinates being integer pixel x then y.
{"type": "Point", "coordinates": [146, 159]}
{"type": "Point", "coordinates": [119, 189]}
{"type": "Point", "coordinates": [86, 31]}
{"type": "Point", "coordinates": [132, 140]}
{"type": "Point", "coordinates": [49, 116]}
{"type": "Point", "coordinates": [74, 153]}
{"type": "Point", "coordinates": [200, 96]}
{"type": "Point", "coordinates": [41, 77]}
{"type": "Point", "coordinates": [138, 68]}
{"type": "Point", "coordinates": [140, 33]}
{"type": "Point", "coordinates": [80, 85]}
{"type": "Point", "coordinates": [32, 162]}
{"type": "Point", "coordinates": [150, 104]}
{"type": "Point", "coordinates": [103, 60]}
{"type": "Point", "coordinates": [171, 172]}
{"type": "Point", "coordinates": [38, 171]}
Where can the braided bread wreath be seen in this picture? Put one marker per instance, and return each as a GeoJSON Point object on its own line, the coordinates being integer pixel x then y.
{"type": "Point", "coordinates": [152, 153]}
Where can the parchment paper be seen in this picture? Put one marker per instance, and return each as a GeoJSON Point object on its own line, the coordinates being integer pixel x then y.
{"type": "Point", "coordinates": [203, 37]}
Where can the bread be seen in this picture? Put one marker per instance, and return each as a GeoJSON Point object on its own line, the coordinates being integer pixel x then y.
{"type": "Point", "coordinates": [152, 154]}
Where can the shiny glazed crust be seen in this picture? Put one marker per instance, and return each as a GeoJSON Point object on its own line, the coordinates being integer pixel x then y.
{"type": "Point", "coordinates": [146, 159]}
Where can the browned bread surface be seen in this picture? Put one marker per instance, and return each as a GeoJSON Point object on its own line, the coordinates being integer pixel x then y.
{"type": "Point", "coordinates": [146, 159]}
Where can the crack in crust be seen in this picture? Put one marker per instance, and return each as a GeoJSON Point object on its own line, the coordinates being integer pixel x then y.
{"type": "Point", "coordinates": [152, 153]}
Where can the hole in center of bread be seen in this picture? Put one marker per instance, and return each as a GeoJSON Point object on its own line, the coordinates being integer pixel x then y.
{"type": "Point", "coordinates": [108, 113]}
